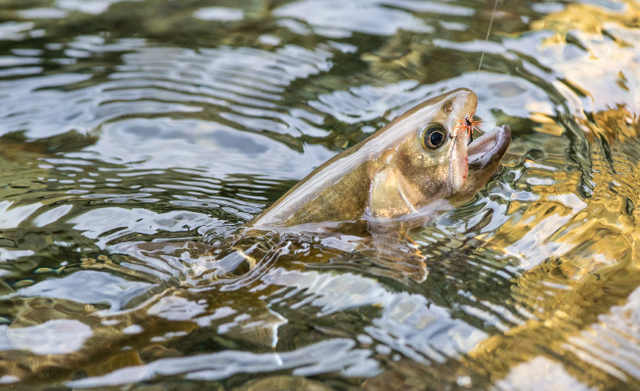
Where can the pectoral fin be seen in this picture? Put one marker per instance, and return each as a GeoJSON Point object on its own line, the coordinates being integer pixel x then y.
{"type": "Point", "coordinates": [388, 195]}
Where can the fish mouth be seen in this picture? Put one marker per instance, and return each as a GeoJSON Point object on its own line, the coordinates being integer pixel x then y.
{"type": "Point", "coordinates": [489, 148]}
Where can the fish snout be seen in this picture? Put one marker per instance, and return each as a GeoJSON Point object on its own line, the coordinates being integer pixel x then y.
{"type": "Point", "coordinates": [489, 148]}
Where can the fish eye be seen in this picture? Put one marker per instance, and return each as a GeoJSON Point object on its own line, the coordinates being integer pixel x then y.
{"type": "Point", "coordinates": [434, 136]}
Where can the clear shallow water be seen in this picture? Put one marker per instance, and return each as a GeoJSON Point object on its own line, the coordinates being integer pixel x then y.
{"type": "Point", "coordinates": [136, 134]}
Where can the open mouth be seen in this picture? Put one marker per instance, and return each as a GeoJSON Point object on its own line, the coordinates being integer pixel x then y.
{"type": "Point", "coordinates": [489, 148]}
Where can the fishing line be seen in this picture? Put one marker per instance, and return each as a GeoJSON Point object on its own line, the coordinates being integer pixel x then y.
{"type": "Point", "coordinates": [486, 39]}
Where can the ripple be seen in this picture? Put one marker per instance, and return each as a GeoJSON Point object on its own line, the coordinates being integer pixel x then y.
{"type": "Point", "coordinates": [367, 102]}
{"type": "Point", "coordinates": [613, 343]}
{"type": "Point", "coordinates": [540, 373]}
{"type": "Point", "coordinates": [12, 217]}
{"type": "Point", "coordinates": [338, 19]}
{"type": "Point", "coordinates": [58, 336]}
{"type": "Point", "coordinates": [165, 80]}
{"type": "Point", "coordinates": [107, 224]}
{"type": "Point", "coordinates": [322, 357]}
{"type": "Point", "coordinates": [219, 13]}
{"type": "Point", "coordinates": [15, 31]}
{"type": "Point", "coordinates": [87, 6]}
{"type": "Point", "coordinates": [409, 324]}
{"type": "Point", "coordinates": [88, 286]}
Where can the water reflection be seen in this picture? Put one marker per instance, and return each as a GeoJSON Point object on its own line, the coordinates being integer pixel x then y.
{"type": "Point", "coordinates": [337, 354]}
{"type": "Point", "coordinates": [133, 145]}
{"type": "Point", "coordinates": [336, 20]}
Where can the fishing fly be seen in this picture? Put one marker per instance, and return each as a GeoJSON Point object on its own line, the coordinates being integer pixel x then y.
{"type": "Point", "coordinates": [468, 125]}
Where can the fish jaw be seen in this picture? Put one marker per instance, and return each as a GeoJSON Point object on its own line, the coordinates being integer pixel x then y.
{"type": "Point", "coordinates": [459, 162]}
{"type": "Point", "coordinates": [485, 155]}
{"type": "Point", "coordinates": [489, 148]}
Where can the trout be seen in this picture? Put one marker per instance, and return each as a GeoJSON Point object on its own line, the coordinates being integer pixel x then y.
{"type": "Point", "coordinates": [423, 161]}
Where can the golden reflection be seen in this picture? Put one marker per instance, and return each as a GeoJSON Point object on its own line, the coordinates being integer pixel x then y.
{"type": "Point", "coordinates": [399, 58]}
{"type": "Point", "coordinates": [588, 18]}
{"type": "Point", "coordinates": [580, 254]}
{"type": "Point", "coordinates": [581, 257]}
{"type": "Point", "coordinates": [618, 123]}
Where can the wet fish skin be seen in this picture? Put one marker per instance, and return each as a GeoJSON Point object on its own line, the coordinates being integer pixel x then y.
{"type": "Point", "coordinates": [392, 174]}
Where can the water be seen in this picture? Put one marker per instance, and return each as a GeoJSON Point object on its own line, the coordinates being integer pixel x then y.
{"type": "Point", "coordinates": [137, 135]}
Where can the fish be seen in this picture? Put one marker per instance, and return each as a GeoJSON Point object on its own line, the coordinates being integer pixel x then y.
{"type": "Point", "coordinates": [423, 161]}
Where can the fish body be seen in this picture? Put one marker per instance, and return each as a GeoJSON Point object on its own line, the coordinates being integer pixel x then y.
{"type": "Point", "coordinates": [421, 159]}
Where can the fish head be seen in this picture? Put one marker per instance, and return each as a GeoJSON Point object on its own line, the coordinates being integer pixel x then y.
{"type": "Point", "coordinates": [428, 155]}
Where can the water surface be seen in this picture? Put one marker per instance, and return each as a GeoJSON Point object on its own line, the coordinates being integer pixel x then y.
{"type": "Point", "coordinates": [136, 135]}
